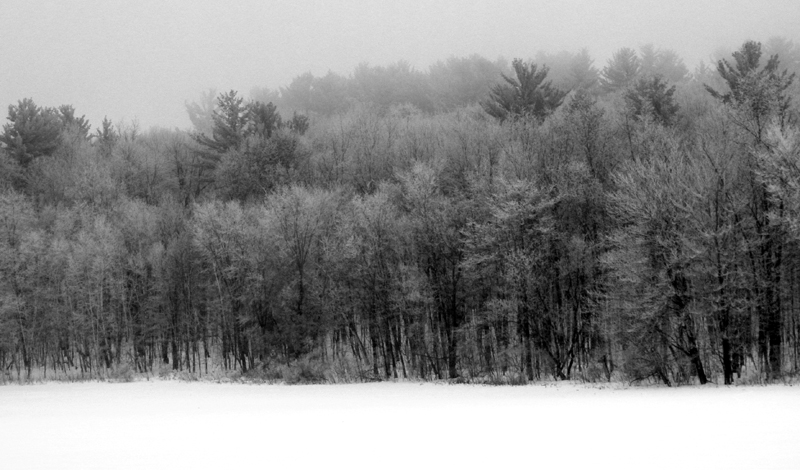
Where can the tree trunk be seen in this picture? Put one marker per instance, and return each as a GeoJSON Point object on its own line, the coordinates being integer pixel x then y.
{"type": "Point", "coordinates": [727, 366]}
{"type": "Point", "coordinates": [527, 357]}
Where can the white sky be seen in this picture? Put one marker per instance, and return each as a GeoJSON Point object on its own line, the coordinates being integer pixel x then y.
{"type": "Point", "coordinates": [144, 58]}
{"type": "Point", "coordinates": [184, 425]}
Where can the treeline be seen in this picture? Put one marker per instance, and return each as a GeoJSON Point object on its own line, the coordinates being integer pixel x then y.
{"type": "Point", "coordinates": [640, 223]}
{"type": "Point", "coordinates": [447, 85]}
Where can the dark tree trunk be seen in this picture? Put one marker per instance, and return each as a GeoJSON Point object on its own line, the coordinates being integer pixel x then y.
{"type": "Point", "coordinates": [176, 360]}
{"type": "Point", "coordinates": [774, 333]}
{"type": "Point", "coordinates": [373, 339]}
{"type": "Point", "coordinates": [694, 353]}
{"type": "Point", "coordinates": [452, 354]}
{"type": "Point", "coordinates": [527, 356]}
{"type": "Point", "coordinates": [727, 365]}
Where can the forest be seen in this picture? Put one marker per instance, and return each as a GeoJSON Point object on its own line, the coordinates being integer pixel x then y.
{"type": "Point", "coordinates": [480, 221]}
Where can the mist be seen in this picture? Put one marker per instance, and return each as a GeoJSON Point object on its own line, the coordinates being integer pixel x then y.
{"type": "Point", "coordinates": [143, 60]}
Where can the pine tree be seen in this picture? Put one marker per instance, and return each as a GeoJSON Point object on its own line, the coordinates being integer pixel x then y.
{"type": "Point", "coordinates": [759, 93]}
{"type": "Point", "coordinates": [107, 137]}
{"type": "Point", "coordinates": [230, 122]}
{"type": "Point", "coordinates": [263, 118]}
{"type": "Point", "coordinates": [526, 95]}
{"type": "Point", "coordinates": [759, 101]}
{"type": "Point", "coordinates": [622, 69]}
{"type": "Point", "coordinates": [79, 125]}
{"type": "Point", "coordinates": [662, 62]}
{"type": "Point", "coordinates": [32, 131]}
{"type": "Point", "coordinates": [651, 97]}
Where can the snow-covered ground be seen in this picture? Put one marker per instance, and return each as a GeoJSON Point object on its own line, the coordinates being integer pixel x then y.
{"type": "Point", "coordinates": [176, 425]}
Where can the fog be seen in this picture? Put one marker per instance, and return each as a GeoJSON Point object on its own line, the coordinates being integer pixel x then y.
{"type": "Point", "coordinates": [143, 59]}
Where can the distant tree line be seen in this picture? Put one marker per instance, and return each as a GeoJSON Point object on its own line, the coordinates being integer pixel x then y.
{"type": "Point", "coordinates": [477, 222]}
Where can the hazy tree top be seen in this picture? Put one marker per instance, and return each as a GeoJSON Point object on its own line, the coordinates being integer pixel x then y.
{"type": "Point", "coordinates": [145, 59]}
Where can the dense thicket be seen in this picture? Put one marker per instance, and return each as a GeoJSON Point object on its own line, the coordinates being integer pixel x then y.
{"type": "Point", "coordinates": [634, 223]}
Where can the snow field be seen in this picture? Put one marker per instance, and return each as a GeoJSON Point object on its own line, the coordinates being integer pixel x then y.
{"type": "Point", "coordinates": [190, 425]}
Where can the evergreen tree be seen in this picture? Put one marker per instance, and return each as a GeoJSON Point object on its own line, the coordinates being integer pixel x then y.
{"type": "Point", "coordinates": [299, 123]}
{"type": "Point", "coordinates": [230, 122]}
{"type": "Point", "coordinates": [759, 93]}
{"type": "Point", "coordinates": [526, 95]}
{"type": "Point", "coordinates": [584, 73]}
{"type": "Point", "coordinates": [79, 125]}
{"type": "Point", "coordinates": [622, 69]}
{"type": "Point", "coordinates": [662, 62]}
{"type": "Point", "coordinates": [263, 119]}
{"type": "Point", "coordinates": [651, 97]}
{"type": "Point", "coordinates": [758, 99]}
{"type": "Point", "coordinates": [107, 137]}
{"type": "Point", "coordinates": [32, 131]}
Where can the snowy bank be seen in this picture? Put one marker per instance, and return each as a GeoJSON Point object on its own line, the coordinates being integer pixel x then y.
{"type": "Point", "coordinates": [176, 425]}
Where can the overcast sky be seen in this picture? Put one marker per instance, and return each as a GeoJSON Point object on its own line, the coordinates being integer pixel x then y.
{"type": "Point", "coordinates": [144, 58]}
